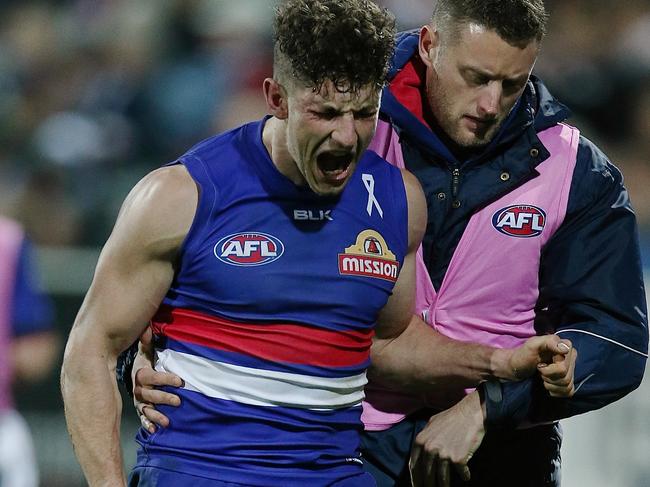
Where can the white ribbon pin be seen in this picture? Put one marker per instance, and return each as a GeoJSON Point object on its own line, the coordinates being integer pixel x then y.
{"type": "Point", "coordinates": [369, 183]}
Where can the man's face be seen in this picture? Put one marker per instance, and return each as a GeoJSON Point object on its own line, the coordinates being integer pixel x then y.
{"type": "Point", "coordinates": [473, 81]}
{"type": "Point", "coordinates": [327, 131]}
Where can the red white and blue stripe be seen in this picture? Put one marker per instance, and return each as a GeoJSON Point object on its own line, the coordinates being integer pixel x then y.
{"type": "Point", "coordinates": [264, 364]}
{"type": "Point", "coordinates": [276, 393]}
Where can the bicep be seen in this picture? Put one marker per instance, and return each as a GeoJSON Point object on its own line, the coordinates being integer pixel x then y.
{"type": "Point", "coordinates": [123, 296]}
{"type": "Point", "coordinates": [397, 314]}
{"type": "Point", "coordinates": [135, 268]}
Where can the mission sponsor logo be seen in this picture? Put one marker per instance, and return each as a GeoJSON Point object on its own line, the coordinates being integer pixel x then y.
{"type": "Point", "coordinates": [369, 256]}
{"type": "Point", "coordinates": [249, 249]}
{"type": "Point", "coordinates": [523, 221]}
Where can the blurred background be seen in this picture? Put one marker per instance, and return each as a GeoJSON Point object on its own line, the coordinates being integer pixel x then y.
{"type": "Point", "coordinates": [96, 93]}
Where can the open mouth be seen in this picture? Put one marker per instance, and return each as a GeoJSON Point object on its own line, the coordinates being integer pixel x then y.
{"type": "Point", "coordinates": [334, 167]}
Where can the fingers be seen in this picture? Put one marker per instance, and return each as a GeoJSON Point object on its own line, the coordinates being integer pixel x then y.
{"type": "Point", "coordinates": [463, 471]}
{"type": "Point", "coordinates": [552, 345]}
{"type": "Point", "coordinates": [443, 473]}
{"type": "Point", "coordinates": [155, 396]}
{"type": "Point", "coordinates": [422, 467]}
{"type": "Point", "coordinates": [144, 421]}
{"type": "Point", "coordinates": [561, 368]}
{"type": "Point", "coordinates": [422, 464]}
{"type": "Point", "coordinates": [146, 338]}
{"type": "Point", "coordinates": [148, 377]}
{"type": "Point", "coordinates": [536, 352]}
{"type": "Point", "coordinates": [146, 396]}
{"type": "Point", "coordinates": [558, 376]}
{"type": "Point", "coordinates": [430, 467]}
{"type": "Point", "coordinates": [564, 346]}
{"type": "Point", "coordinates": [152, 415]}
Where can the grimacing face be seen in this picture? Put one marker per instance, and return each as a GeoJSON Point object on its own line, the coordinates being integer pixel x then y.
{"type": "Point", "coordinates": [327, 131]}
{"type": "Point", "coordinates": [474, 80]}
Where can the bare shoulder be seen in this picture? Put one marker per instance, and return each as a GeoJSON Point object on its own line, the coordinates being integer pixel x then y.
{"type": "Point", "coordinates": [417, 208]}
{"type": "Point", "coordinates": [159, 210]}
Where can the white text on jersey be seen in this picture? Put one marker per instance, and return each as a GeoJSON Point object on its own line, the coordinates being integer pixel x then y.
{"type": "Point", "coordinates": [312, 215]}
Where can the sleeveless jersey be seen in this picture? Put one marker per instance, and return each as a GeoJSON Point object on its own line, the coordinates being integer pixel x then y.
{"type": "Point", "coordinates": [270, 317]}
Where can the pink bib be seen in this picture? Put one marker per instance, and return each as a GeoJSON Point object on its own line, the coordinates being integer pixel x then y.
{"type": "Point", "coordinates": [491, 287]}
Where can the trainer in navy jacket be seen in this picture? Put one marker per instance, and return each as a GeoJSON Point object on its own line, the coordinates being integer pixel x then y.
{"type": "Point", "coordinates": [590, 277]}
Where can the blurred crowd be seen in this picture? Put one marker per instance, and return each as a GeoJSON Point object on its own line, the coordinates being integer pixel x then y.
{"type": "Point", "coordinates": [95, 93]}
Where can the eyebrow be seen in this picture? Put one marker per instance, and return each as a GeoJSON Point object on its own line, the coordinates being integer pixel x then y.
{"type": "Point", "coordinates": [364, 107]}
{"type": "Point", "coordinates": [518, 79]}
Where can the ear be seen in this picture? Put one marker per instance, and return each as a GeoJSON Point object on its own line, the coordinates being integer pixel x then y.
{"type": "Point", "coordinates": [276, 98]}
{"type": "Point", "coordinates": [428, 45]}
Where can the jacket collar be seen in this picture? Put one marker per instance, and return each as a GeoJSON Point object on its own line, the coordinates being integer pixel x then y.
{"type": "Point", "coordinates": [404, 105]}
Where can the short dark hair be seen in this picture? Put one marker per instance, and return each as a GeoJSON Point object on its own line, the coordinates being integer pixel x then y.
{"type": "Point", "coordinates": [517, 21]}
{"type": "Point", "coordinates": [348, 42]}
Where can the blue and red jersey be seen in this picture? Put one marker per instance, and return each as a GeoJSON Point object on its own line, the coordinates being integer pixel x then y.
{"type": "Point", "coordinates": [270, 317]}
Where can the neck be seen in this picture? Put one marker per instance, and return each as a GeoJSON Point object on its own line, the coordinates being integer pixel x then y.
{"type": "Point", "coordinates": [274, 137]}
{"type": "Point", "coordinates": [461, 153]}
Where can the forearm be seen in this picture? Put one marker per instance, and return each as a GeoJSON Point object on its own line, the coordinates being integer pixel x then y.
{"type": "Point", "coordinates": [421, 359]}
{"type": "Point", "coordinates": [92, 410]}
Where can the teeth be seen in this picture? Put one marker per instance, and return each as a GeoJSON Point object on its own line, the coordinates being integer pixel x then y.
{"type": "Point", "coordinates": [334, 162]}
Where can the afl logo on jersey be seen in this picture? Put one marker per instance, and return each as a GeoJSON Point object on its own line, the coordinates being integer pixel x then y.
{"type": "Point", "coordinates": [249, 249]}
{"type": "Point", "coordinates": [523, 221]}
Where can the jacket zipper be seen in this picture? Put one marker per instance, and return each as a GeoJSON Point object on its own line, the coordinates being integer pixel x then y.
{"type": "Point", "coordinates": [455, 182]}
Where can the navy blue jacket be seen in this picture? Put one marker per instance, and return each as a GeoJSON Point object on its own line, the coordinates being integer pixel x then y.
{"type": "Point", "coordinates": [591, 282]}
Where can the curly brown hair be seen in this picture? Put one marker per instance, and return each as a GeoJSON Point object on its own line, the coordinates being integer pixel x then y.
{"type": "Point", "coordinates": [347, 42]}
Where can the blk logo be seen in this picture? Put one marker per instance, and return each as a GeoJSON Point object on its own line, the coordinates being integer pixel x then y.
{"type": "Point", "coordinates": [523, 221]}
{"type": "Point", "coordinates": [249, 249]}
{"type": "Point", "coordinates": [312, 215]}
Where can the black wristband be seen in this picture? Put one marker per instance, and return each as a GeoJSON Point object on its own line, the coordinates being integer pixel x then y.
{"type": "Point", "coordinates": [125, 367]}
{"type": "Point", "coordinates": [492, 396]}
{"type": "Point", "coordinates": [509, 405]}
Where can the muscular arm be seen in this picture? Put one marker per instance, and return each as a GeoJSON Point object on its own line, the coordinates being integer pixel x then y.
{"type": "Point", "coordinates": [401, 354]}
{"type": "Point", "coordinates": [133, 274]}
{"type": "Point", "coordinates": [408, 354]}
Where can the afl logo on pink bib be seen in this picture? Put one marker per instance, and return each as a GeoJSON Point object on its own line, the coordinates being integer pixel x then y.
{"type": "Point", "coordinates": [522, 221]}
{"type": "Point", "coordinates": [248, 249]}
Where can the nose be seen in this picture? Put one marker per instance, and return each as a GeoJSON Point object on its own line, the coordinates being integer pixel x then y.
{"type": "Point", "coordinates": [344, 134]}
{"type": "Point", "coordinates": [490, 99]}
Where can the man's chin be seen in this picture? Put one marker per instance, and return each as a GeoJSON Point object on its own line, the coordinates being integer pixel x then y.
{"type": "Point", "coordinates": [473, 141]}
{"type": "Point", "coordinates": [328, 190]}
